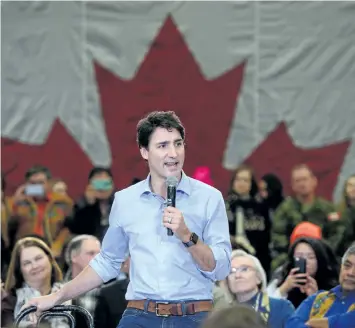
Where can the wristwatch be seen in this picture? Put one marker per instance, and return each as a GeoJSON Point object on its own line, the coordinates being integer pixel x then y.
{"type": "Point", "coordinates": [193, 240]}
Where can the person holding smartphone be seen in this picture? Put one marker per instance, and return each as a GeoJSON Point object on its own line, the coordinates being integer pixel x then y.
{"type": "Point", "coordinates": [92, 210]}
{"type": "Point", "coordinates": [309, 268]}
{"type": "Point", "coordinates": [330, 308]}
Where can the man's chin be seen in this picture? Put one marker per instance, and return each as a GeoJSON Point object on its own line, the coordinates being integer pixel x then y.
{"type": "Point", "coordinates": [348, 287]}
{"type": "Point", "coordinates": [173, 173]}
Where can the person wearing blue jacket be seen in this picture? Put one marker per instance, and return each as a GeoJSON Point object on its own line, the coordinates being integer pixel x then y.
{"type": "Point", "coordinates": [246, 284]}
{"type": "Point", "coordinates": [330, 309]}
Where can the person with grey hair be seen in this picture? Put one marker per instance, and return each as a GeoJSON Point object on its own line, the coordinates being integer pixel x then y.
{"type": "Point", "coordinates": [246, 284]}
{"type": "Point", "coordinates": [334, 308]}
{"type": "Point", "coordinates": [79, 252]}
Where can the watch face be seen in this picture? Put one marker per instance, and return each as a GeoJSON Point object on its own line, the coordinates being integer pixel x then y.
{"type": "Point", "coordinates": [194, 238]}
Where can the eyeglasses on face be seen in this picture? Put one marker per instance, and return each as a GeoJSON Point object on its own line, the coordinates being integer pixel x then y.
{"type": "Point", "coordinates": [242, 269]}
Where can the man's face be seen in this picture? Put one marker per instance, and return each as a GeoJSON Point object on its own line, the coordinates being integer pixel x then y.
{"type": "Point", "coordinates": [89, 249]}
{"type": "Point", "coordinates": [347, 274]}
{"type": "Point", "coordinates": [303, 182]}
{"type": "Point", "coordinates": [165, 153]}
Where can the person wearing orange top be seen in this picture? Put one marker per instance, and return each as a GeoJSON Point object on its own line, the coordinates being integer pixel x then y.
{"type": "Point", "coordinates": [37, 210]}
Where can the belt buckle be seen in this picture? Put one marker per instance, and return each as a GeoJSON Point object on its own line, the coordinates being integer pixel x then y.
{"type": "Point", "coordinates": [157, 309]}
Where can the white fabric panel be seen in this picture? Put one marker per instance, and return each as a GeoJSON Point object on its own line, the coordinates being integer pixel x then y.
{"type": "Point", "coordinates": [44, 75]}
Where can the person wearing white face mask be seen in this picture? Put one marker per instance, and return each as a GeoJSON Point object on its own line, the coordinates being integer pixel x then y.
{"type": "Point", "coordinates": [246, 284]}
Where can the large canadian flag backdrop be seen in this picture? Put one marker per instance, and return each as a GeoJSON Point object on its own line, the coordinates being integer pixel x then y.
{"type": "Point", "coordinates": [267, 83]}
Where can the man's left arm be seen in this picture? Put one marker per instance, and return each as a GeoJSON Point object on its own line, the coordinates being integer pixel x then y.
{"type": "Point", "coordinates": [212, 253]}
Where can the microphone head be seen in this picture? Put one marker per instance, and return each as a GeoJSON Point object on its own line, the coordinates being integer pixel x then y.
{"type": "Point", "coordinates": [172, 181]}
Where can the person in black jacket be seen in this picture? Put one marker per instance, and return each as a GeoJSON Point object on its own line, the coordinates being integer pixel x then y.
{"type": "Point", "coordinates": [91, 211]}
{"type": "Point", "coordinates": [249, 221]}
{"type": "Point", "coordinates": [271, 191]}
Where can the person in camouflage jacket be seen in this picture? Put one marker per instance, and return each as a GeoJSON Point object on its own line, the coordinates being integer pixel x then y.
{"type": "Point", "coordinates": [304, 206]}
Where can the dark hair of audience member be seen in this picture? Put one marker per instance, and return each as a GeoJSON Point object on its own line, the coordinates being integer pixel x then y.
{"type": "Point", "coordinates": [275, 190]}
{"type": "Point", "coordinates": [236, 316]}
{"type": "Point", "coordinates": [98, 170]}
{"type": "Point", "coordinates": [38, 169]}
{"type": "Point", "coordinates": [254, 185]}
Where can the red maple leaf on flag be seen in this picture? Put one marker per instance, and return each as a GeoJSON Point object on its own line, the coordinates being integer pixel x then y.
{"type": "Point", "coordinates": [60, 153]}
{"type": "Point", "coordinates": [278, 154]}
{"type": "Point", "coordinates": [169, 79]}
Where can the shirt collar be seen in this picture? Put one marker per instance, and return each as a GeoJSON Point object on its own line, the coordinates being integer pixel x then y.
{"type": "Point", "coordinates": [337, 291]}
{"type": "Point", "coordinates": [183, 186]}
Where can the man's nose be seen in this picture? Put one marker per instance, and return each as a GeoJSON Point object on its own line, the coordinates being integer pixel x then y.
{"type": "Point", "coordinates": [172, 151]}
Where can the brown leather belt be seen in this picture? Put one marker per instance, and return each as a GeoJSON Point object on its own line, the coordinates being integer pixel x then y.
{"type": "Point", "coordinates": [165, 309]}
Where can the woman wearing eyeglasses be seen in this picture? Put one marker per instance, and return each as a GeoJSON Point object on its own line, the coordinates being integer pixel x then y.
{"type": "Point", "coordinates": [246, 284]}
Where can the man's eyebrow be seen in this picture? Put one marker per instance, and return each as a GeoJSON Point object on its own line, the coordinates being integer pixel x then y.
{"type": "Point", "coordinates": [167, 142]}
{"type": "Point", "coordinates": [347, 262]}
{"type": "Point", "coordinates": [162, 143]}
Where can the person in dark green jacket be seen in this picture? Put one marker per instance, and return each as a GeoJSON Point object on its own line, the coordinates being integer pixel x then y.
{"type": "Point", "coordinates": [304, 206]}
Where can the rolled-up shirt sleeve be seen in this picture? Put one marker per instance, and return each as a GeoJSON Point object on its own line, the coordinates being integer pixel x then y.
{"type": "Point", "coordinates": [107, 264]}
{"type": "Point", "coordinates": [216, 236]}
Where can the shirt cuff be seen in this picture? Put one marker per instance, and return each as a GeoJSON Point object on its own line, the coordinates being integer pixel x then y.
{"type": "Point", "coordinates": [223, 264]}
{"type": "Point", "coordinates": [104, 268]}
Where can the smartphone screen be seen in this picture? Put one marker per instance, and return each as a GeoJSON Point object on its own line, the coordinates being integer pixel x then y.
{"type": "Point", "coordinates": [34, 190]}
{"type": "Point", "coordinates": [301, 264]}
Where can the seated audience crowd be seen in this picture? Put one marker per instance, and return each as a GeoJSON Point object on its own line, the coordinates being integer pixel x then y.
{"type": "Point", "coordinates": [293, 264]}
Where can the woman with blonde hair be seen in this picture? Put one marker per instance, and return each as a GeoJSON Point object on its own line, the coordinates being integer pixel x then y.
{"type": "Point", "coordinates": [246, 284]}
{"type": "Point", "coordinates": [32, 272]}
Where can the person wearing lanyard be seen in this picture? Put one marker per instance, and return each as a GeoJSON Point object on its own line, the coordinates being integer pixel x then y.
{"type": "Point", "coordinates": [171, 277]}
{"type": "Point", "coordinates": [246, 284]}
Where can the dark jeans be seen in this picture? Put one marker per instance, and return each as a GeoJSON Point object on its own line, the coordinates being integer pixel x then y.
{"type": "Point", "coordinates": [133, 318]}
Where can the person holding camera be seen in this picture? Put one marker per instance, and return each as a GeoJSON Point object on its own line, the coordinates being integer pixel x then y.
{"type": "Point", "coordinates": [91, 211]}
{"type": "Point", "coordinates": [309, 268]}
{"type": "Point", "coordinates": [39, 211]}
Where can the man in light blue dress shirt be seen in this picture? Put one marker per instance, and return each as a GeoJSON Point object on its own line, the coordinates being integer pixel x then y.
{"type": "Point", "coordinates": [171, 277]}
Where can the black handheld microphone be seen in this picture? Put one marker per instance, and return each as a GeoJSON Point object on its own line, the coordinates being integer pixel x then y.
{"type": "Point", "coordinates": [171, 183]}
